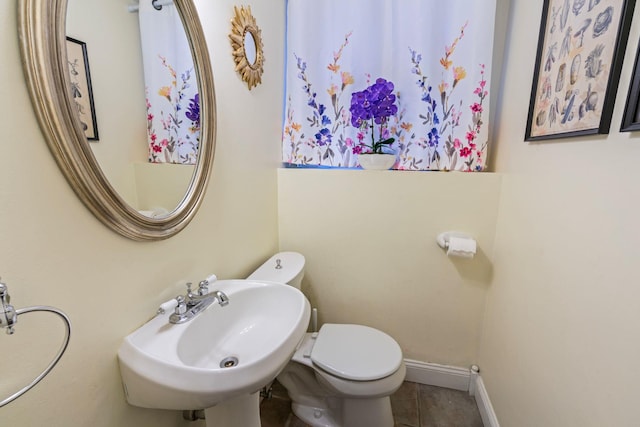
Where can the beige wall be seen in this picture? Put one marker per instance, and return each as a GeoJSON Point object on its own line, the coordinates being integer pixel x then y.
{"type": "Point", "coordinates": [369, 238]}
{"type": "Point", "coordinates": [560, 341]}
{"type": "Point", "coordinates": [54, 252]}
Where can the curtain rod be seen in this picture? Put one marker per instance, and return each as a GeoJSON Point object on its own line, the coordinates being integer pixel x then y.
{"type": "Point", "coordinates": [156, 3]}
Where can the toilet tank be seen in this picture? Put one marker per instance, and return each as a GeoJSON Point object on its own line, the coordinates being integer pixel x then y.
{"type": "Point", "coordinates": [283, 267]}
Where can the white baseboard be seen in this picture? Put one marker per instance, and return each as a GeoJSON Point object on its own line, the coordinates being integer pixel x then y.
{"type": "Point", "coordinates": [489, 418]}
{"type": "Point", "coordinates": [437, 375]}
{"type": "Point", "coordinates": [457, 379]}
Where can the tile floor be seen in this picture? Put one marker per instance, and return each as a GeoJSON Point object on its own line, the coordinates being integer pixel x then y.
{"type": "Point", "coordinates": [414, 405]}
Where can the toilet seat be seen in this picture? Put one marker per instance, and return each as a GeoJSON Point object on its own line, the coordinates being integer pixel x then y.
{"type": "Point", "coordinates": [356, 352]}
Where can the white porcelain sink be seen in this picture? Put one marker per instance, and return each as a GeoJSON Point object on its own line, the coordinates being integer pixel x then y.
{"type": "Point", "coordinates": [169, 366]}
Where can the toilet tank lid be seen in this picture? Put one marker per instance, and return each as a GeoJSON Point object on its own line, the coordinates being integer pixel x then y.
{"type": "Point", "coordinates": [356, 352]}
{"type": "Point", "coordinates": [291, 264]}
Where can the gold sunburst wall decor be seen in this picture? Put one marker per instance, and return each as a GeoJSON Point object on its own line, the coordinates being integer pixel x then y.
{"type": "Point", "coordinates": [246, 41]}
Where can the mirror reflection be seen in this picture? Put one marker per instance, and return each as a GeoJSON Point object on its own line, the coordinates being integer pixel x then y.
{"type": "Point", "coordinates": [249, 47]}
{"type": "Point", "coordinates": [145, 97]}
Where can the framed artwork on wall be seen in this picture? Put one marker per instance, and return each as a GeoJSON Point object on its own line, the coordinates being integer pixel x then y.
{"type": "Point", "coordinates": [81, 86]}
{"type": "Point", "coordinates": [580, 52]}
{"type": "Point", "coordinates": [631, 117]}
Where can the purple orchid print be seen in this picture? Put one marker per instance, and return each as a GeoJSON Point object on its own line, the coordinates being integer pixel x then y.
{"type": "Point", "coordinates": [370, 107]}
{"type": "Point", "coordinates": [193, 111]}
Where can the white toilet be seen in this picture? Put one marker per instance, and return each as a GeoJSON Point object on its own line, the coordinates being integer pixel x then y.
{"type": "Point", "coordinates": [343, 375]}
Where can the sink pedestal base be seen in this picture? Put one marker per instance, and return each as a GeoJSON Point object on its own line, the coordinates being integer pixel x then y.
{"type": "Point", "coordinates": [242, 411]}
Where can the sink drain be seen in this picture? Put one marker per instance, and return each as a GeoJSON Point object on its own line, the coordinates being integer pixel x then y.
{"type": "Point", "coordinates": [229, 362]}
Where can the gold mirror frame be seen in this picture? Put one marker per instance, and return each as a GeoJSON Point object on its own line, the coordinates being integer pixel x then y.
{"type": "Point", "coordinates": [242, 23]}
{"type": "Point", "coordinates": [42, 42]}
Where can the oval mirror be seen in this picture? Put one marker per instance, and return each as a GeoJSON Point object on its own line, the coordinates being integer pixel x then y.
{"type": "Point", "coordinates": [48, 56]}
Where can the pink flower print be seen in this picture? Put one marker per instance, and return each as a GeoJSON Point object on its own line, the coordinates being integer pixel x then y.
{"type": "Point", "coordinates": [153, 137]}
{"type": "Point", "coordinates": [457, 144]}
{"type": "Point", "coordinates": [164, 142]}
{"type": "Point", "coordinates": [149, 117]}
{"type": "Point", "coordinates": [349, 142]}
{"type": "Point", "coordinates": [346, 116]}
{"type": "Point", "coordinates": [471, 136]}
{"type": "Point", "coordinates": [476, 108]}
{"type": "Point", "coordinates": [156, 148]}
{"type": "Point", "coordinates": [361, 136]}
{"type": "Point", "coordinates": [465, 152]}
{"type": "Point", "coordinates": [455, 116]}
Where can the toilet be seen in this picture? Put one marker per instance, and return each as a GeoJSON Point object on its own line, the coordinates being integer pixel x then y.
{"type": "Point", "coordinates": [342, 375]}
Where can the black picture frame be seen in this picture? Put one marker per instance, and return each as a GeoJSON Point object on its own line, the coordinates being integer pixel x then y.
{"type": "Point", "coordinates": [81, 89]}
{"type": "Point", "coordinates": [631, 116]}
{"type": "Point", "coordinates": [577, 69]}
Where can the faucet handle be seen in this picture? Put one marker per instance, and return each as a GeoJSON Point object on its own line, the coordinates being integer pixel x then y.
{"type": "Point", "coordinates": [178, 315]}
{"type": "Point", "coordinates": [181, 308]}
{"type": "Point", "coordinates": [203, 287]}
{"type": "Point", "coordinates": [189, 291]}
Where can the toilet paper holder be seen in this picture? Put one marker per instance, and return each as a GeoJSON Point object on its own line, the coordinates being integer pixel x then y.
{"type": "Point", "coordinates": [443, 238]}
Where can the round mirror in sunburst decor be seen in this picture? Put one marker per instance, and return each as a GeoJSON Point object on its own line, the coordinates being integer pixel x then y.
{"type": "Point", "coordinates": [246, 41]}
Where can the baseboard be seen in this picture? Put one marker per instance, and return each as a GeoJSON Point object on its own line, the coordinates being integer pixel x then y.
{"type": "Point", "coordinates": [489, 418]}
{"type": "Point", "coordinates": [438, 375]}
{"type": "Point", "coordinates": [457, 379]}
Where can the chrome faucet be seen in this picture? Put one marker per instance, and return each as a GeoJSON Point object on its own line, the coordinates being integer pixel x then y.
{"type": "Point", "coordinates": [193, 303]}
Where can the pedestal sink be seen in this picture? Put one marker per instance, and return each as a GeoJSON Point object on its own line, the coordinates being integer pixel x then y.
{"type": "Point", "coordinates": [219, 360]}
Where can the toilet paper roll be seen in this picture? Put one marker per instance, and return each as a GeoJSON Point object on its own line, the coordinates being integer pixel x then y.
{"type": "Point", "coordinates": [461, 247]}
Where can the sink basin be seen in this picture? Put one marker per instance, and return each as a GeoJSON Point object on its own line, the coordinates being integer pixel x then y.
{"type": "Point", "coordinates": [221, 354]}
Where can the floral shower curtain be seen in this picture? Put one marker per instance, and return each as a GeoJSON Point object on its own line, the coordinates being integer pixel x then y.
{"type": "Point", "coordinates": [173, 108]}
{"type": "Point", "coordinates": [436, 55]}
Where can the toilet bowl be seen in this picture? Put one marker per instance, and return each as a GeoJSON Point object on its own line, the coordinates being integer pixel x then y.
{"type": "Point", "coordinates": [342, 375]}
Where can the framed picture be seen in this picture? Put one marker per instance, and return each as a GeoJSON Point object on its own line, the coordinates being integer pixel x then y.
{"type": "Point", "coordinates": [81, 87]}
{"type": "Point", "coordinates": [631, 118]}
{"type": "Point", "coordinates": [580, 52]}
